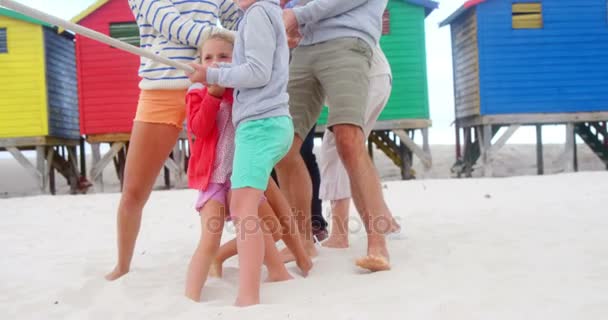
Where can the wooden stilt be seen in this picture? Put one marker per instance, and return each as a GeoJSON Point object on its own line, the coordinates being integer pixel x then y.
{"type": "Point", "coordinates": [83, 159]}
{"type": "Point", "coordinates": [40, 166]}
{"type": "Point", "coordinates": [98, 178]}
{"type": "Point", "coordinates": [569, 150]}
{"type": "Point", "coordinates": [486, 145]}
{"type": "Point", "coordinates": [540, 164]}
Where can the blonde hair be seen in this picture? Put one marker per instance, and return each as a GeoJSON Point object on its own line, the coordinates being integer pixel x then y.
{"type": "Point", "coordinates": [219, 34]}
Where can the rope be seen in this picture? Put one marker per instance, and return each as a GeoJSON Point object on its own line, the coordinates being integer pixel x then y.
{"type": "Point", "coordinates": [28, 11]}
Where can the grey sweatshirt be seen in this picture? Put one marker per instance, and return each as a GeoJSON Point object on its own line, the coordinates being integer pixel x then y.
{"type": "Point", "coordinates": [325, 20]}
{"type": "Point", "coordinates": [260, 65]}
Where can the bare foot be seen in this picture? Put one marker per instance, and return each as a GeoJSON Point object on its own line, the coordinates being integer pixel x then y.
{"type": "Point", "coordinates": [395, 227]}
{"type": "Point", "coordinates": [246, 301]}
{"type": "Point", "coordinates": [336, 242]}
{"type": "Point", "coordinates": [284, 276]}
{"type": "Point", "coordinates": [193, 296]}
{"type": "Point", "coordinates": [377, 255]}
{"type": "Point", "coordinates": [215, 270]}
{"type": "Point", "coordinates": [305, 265]}
{"type": "Point", "coordinates": [287, 256]}
{"type": "Point", "coordinates": [311, 249]}
{"type": "Point", "coordinates": [309, 246]}
{"type": "Point", "coordinates": [374, 263]}
{"type": "Point", "coordinates": [116, 273]}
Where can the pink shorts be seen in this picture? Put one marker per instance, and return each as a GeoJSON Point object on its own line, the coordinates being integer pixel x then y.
{"type": "Point", "coordinates": [217, 192]}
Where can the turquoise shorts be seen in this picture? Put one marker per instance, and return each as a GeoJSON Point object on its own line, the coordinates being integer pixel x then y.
{"type": "Point", "coordinates": [259, 145]}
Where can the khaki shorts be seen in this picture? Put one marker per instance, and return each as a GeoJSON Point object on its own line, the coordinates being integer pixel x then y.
{"type": "Point", "coordinates": [337, 70]}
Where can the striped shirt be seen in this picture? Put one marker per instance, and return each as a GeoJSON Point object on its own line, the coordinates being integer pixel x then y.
{"type": "Point", "coordinates": [175, 29]}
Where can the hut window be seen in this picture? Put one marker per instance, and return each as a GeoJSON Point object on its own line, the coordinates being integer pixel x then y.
{"type": "Point", "coordinates": [3, 41]}
{"type": "Point", "coordinates": [386, 22]}
{"type": "Point", "coordinates": [527, 15]}
{"type": "Point", "coordinates": [127, 32]}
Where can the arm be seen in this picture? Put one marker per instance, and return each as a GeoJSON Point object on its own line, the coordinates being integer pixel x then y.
{"type": "Point", "coordinates": [229, 14]}
{"type": "Point", "coordinates": [260, 44]}
{"type": "Point", "coordinates": [168, 21]}
{"type": "Point", "coordinates": [317, 10]}
{"type": "Point", "coordinates": [201, 108]}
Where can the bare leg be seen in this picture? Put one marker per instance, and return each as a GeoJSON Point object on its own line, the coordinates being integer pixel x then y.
{"type": "Point", "coordinates": [297, 187]}
{"type": "Point", "coordinates": [272, 259]}
{"type": "Point", "coordinates": [367, 195]}
{"type": "Point", "coordinates": [338, 237]}
{"type": "Point", "coordinates": [226, 251]}
{"type": "Point", "coordinates": [212, 223]}
{"type": "Point", "coordinates": [250, 244]}
{"type": "Point", "coordinates": [229, 249]}
{"type": "Point", "coordinates": [290, 235]}
{"type": "Point", "coordinates": [149, 147]}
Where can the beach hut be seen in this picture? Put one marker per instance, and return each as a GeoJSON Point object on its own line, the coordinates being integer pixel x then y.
{"type": "Point", "coordinates": [529, 63]}
{"type": "Point", "coordinates": [108, 87]}
{"type": "Point", "coordinates": [403, 42]}
{"type": "Point", "coordinates": [39, 104]}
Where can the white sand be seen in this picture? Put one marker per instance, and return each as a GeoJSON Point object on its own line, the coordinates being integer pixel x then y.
{"type": "Point", "coordinates": [534, 247]}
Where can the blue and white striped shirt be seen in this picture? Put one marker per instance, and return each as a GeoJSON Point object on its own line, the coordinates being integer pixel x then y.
{"type": "Point", "coordinates": [175, 29]}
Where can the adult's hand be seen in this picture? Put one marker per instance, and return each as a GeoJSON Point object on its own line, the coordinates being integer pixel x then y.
{"type": "Point", "coordinates": [290, 20]}
{"type": "Point", "coordinates": [293, 38]}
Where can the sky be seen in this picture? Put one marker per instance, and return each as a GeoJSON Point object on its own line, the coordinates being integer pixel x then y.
{"type": "Point", "coordinates": [439, 70]}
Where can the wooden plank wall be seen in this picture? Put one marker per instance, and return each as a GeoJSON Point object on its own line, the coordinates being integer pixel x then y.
{"type": "Point", "coordinates": [465, 57]}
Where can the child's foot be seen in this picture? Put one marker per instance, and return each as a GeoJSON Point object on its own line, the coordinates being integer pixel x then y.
{"type": "Point", "coordinates": [246, 301]}
{"type": "Point", "coordinates": [336, 241]}
{"type": "Point", "coordinates": [282, 276]}
{"type": "Point", "coordinates": [288, 256]}
{"type": "Point", "coordinates": [193, 296]}
{"type": "Point", "coordinates": [215, 270]}
{"type": "Point", "coordinates": [116, 273]}
{"type": "Point", "coordinates": [395, 227]}
{"type": "Point", "coordinates": [304, 265]}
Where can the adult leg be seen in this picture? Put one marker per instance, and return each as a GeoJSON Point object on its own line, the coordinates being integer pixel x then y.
{"type": "Point", "coordinates": [212, 223]}
{"type": "Point", "coordinates": [367, 195]}
{"type": "Point", "coordinates": [338, 238]}
{"type": "Point", "coordinates": [149, 147]}
{"type": "Point", "coordinates": [335, 184]}
{"type": "Point", "coordinates": [344, 76]}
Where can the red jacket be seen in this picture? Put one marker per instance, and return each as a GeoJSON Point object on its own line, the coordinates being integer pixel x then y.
{"type": "Point", "coordinates": [201, 110]}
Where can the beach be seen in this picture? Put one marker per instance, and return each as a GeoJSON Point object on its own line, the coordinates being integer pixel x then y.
{"type": "Point", "coordinates": [498, 248]}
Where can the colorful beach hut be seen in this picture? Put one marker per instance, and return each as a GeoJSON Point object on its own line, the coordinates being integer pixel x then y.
{"type": "Point", "coordinates": [108, 87]}
{"type": "Point", "coordinates": [529, 63]}
{"type": "Point", "coordinates": [39, 104]}
{"type": "Point", "coordinates": [403, 42]}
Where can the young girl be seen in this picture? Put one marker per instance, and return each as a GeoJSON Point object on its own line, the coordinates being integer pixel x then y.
{"type": "Point", "coordinates": [209, 116]}
{"type": "Point", "coordinates": [264, 130]}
